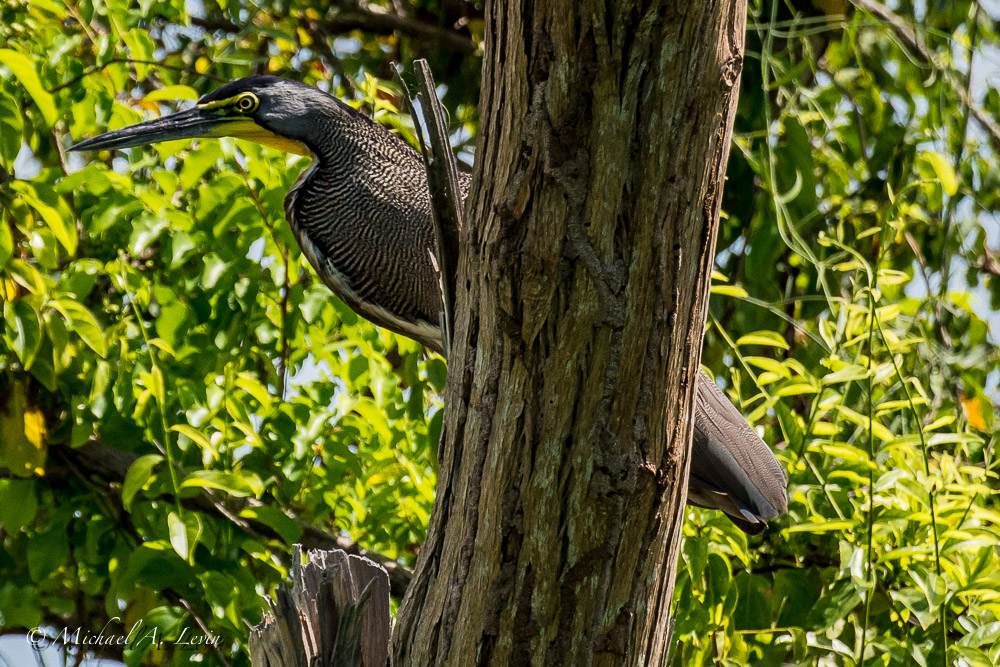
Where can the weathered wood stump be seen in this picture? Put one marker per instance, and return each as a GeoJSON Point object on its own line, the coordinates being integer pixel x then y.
{"type": "Point", "coordinates": [336, 615]}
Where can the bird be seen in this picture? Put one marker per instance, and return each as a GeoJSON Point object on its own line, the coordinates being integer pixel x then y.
{"type": "Point", "coordinates": [361, 213]}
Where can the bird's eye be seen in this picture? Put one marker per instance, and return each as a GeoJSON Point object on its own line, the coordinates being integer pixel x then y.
{"type": "Point", "coordinates": [246, 102]}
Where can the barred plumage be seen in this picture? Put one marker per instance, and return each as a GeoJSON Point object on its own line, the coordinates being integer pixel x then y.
{"type": "Point", "coordinates": [362, 215]}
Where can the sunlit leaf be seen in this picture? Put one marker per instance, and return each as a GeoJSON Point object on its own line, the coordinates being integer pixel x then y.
{"type": "Point", "coordinates": [178, 535]}
{"type": "Point", "coordinates": [24, 328]}
{"type": "Point", "coordinates": [83, 322]}
{"type": "Point", "coordinates": [138, 475]}
{"type": "Point", "coordinates": [734, 291]}
{"type": "Point", "coordinates": [11, 127]}
{"type": "Point", "coordinates": [24, 70]}
{"type": "Point", "coordinates": [172, 93]}
{"type": "Point", "coordinates": [235, 485]}
{"type": "Point", "coordinates": [944, 171]}
{"type": "Point", "coordinates": [766, 338]}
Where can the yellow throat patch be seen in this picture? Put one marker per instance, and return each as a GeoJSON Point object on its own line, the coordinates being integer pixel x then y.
{"type": "Point", "coordinates": [245, 128]}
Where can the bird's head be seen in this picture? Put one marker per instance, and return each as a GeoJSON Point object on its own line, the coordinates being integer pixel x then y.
{"type": "Point", "coordinates": [266, 109]}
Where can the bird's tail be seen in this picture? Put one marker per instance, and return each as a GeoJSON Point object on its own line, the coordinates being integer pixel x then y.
{"type": "Point", "coordinates": [732, 469]}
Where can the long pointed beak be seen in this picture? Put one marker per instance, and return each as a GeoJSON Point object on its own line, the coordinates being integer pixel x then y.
{"type": "Point", "coordinates": [183, 125]}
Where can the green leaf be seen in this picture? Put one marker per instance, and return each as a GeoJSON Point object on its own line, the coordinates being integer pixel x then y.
{"type": "Point", "coordinates": [198, 163]}
{"type": "Point", "coordinates": [6, 242]}
{"type": "Point", "coordinates": [135, 479]}
{"type": "Point", "coordinates": [316, 296]}
{"type": "Point", "coordinates": [158, 386]}
{"type": "Point", "coordinates": [768, 364]}
{"type": "Point", "coordinates": [795, 389]}
{"type": "Point", "coordinates": [375, 417]}
{"type": "Point", "coordinates": [849, 373]}
{"type": "Point", "coordinates": [972, 657]}
{"type": "Point", "coordinates": [944, 420]}
{"type": "Point", "coordinates": [197, 437]}
{"type": "Point", "coordinates": [82, 321]}
{"type": "Point", "coordinates": [215, 267]}
{"type": "Point", "coordinates": [239, 486]}
{"type": "Point", "coordinates": [18, 504]}
{"type": "Point", "coordinates": [820, 527]}
{"type": "Point", "coordinates": [944, 171]}
{"type": "Point", "coordinates": [145, 231]}
{"type": "Point", "coordinates": [43, 367]}
{"type": "Point", "coordinates": [25, 72]}
{"type": "Point", "coordinates": [734, 291]}
{"type": "Point", "coordinates": [891, 277]}
{"type": "Point", "coordinates": [172, 93]}
{"type": "Point", "coordinates": [878, 429]}
{"type": "Point", "coordinates": [141, 48]}
{"type": "Point", "coordinates": [834, 605]}
{"type": "Point", "coordinates": [437, 373]}
{"type": "Point", "coordinates": [984, 634]}
{"type": "Point", "coordinates": [98, 393]}
{"type": "Point", "coordinates": [287, 528]}
{"type": "Point", "coordinates": [791, 427]}
{"type": "Point", "coordinates": [178, 535]}
{"type": "Point", "coordinates": [22, 606]}
{"type": "Point", "coordinates": [48, 551]}
{"type": "Point", "coordinates": [182, 246]}
{"type": "Point", "coordinates": [768, 338]}
{"type": "Point", "coordinates": [222, 594]}
{"type": "Point", "coordinates": [925, 599]}
{"type": "Point", "coordinates": [65, 232]}
{"type": "Point", "coordinates": [172, 322]}
{"type": "Point", "coordinates": [11, 129]}
{"type": "Point", "coordinates": [23, 321]}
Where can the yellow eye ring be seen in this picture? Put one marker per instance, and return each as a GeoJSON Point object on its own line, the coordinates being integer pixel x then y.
{"type": "Point", "coordinates": [246, 103]}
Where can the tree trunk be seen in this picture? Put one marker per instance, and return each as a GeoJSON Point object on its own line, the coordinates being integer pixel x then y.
{"type": "Point", "coordinates": [582, 286]}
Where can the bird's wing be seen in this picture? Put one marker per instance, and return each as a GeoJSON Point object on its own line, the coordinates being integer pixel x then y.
{"type": "Point", "coordinates": [372, 259]}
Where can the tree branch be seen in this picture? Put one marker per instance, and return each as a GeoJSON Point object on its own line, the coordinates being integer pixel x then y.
{"type": "Point", "coordinates": [362, 16]}
{"type": "Point", "coordinates": [110, 465]}
{"type": "Point", "coordinates": [915, 44]}
{"type": "Point", "coordinates": [129, 61]}
{"type": "Point", "coordinates": [374, 20]}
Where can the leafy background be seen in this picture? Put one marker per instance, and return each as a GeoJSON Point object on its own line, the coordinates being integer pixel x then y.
{"type": "Point", "coordinates": [181, 399]}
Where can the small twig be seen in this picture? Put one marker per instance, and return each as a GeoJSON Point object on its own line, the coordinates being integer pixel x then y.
{"type": "Point", "coordinates": [353, 15]}
{"type": "Point", "coordinates": [922, 53]}
{"type": "Point", "coordinates": [215, 24]}
{"type": "Point", "coordinates": [205, 629]}
{"type": "Point", "coordinates": [283, 329]}
{"type": "Point", "coordinates": [80, 236]}
{"type": "Point", "coordinates": [98, 68]}
{"type": "Point", "coordinates": [949, 212]}
{"type": "Point", "coordinates": [75, 13]}
{"type": "Point", "coordinates": [322, 46]}
{"type": "Point", "coordinates": [442, 180]}
{"type": "Point", "coordinates": [111, 465]}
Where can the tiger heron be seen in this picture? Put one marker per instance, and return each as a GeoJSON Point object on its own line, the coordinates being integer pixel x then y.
{"type": "Point", "coordinates": [361, 213]}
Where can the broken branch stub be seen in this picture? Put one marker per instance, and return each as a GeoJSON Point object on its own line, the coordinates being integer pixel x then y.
{"type": "Point", "coordinates": [335, 615]}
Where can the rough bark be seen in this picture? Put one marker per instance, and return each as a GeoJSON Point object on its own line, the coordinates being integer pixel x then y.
{"type": "Point", "coordinates": [335, 615]}
{"type": "Point", "coordinates": [582, 286]}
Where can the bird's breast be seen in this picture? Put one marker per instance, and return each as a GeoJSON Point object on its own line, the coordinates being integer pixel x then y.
{"type": "Point", "coordinates": [371, 245]}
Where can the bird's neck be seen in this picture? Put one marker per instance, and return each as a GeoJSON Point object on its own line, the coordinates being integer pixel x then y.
{"type": "Point", "coordinates": [342, 138]}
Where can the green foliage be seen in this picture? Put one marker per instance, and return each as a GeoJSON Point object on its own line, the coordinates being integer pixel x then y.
{"type": "Point", "coordinates": [857, 249]}
{"type": "Point", "coordinates": [156, 302]}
